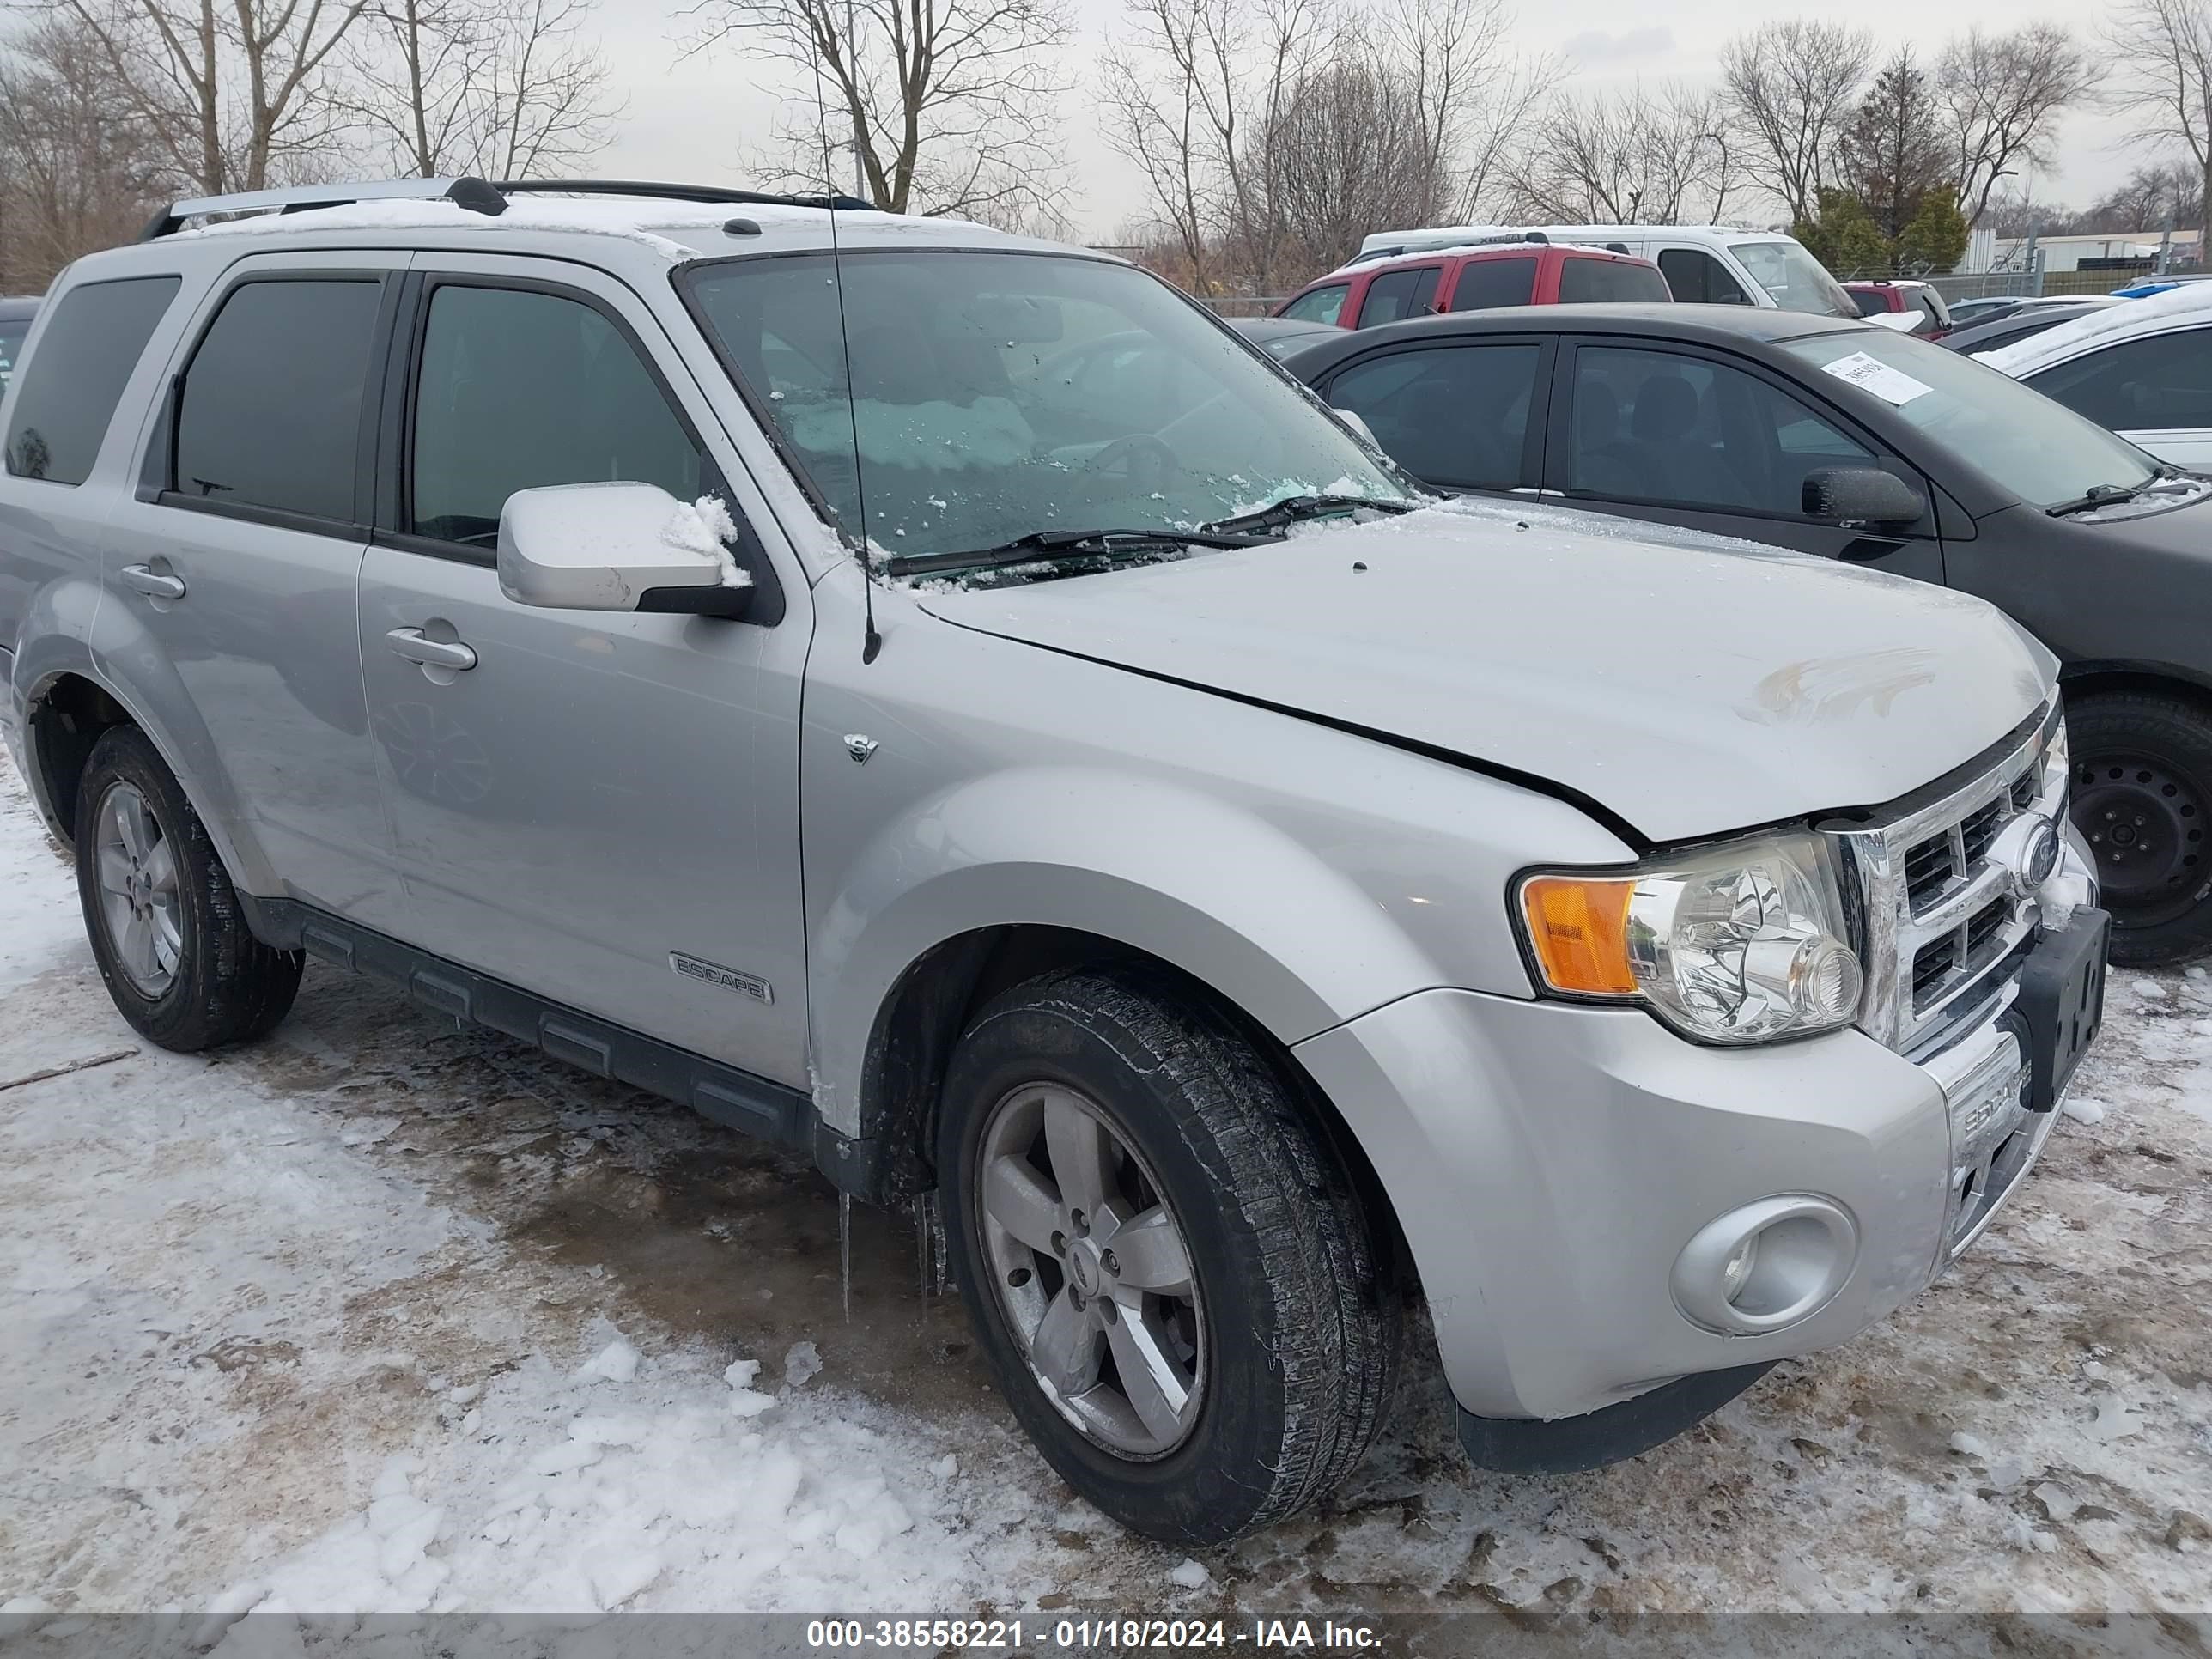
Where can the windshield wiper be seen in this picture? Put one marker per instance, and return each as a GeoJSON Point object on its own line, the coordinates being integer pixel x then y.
{"type": "Point", "coordinates": [1063, 543]}
{"type": "Point", "coordinates": [1293, 508]}
{"type": "Point", "coordinates": [2101, 495]}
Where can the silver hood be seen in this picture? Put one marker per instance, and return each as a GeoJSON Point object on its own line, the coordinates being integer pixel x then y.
{"type": "Point", "coordinates": [1689, 684]}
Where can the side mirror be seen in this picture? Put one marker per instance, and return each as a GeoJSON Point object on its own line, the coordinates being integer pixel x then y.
{"type": "Point", "coordinates": [614, 547]}
{"type": "Point", "coordinates": [1861, 494]}
{"type": "Point", "coordinates": [1357, 424]}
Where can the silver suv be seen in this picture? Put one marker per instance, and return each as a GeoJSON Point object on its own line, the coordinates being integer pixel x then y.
{"type": "Point", "coordinates": [1237, 887]}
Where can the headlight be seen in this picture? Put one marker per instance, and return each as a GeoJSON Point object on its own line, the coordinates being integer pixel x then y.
{"type": "Point", "coordinates": [1737, 944]}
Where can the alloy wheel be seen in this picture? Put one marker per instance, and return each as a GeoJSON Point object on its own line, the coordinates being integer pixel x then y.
{"type": "Point", "coordinates": [1091, 1271]}
{"type": "Point", "coordinates": [139, 903]}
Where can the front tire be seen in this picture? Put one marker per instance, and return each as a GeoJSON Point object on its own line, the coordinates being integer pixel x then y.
{"type": "Point", "coordinates": [166, 925]}
{"type": "Point", "coordinates": [2141, 797]}
{"type": "Point", "coordinates": [1175, 1280]}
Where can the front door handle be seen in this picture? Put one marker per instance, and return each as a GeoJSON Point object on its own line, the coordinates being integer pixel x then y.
{"type": "Point", "coordinates": [153, 584]}
{"type": "Point", "coordinates": [416, 645]}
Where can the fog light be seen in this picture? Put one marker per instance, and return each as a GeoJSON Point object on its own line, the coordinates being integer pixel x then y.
{"type": "Point", "coordinates": [1766, 1266]}
{"type": "Point", "coordinates": [1738, 1270]}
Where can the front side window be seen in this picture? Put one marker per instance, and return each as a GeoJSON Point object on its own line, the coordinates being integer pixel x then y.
{"type": "Point", "coordinates": [1449, 415]}
{"type": "Point", "coordinates": [59, 414]}
{"type": "Point", "coordinates": [1485, 284]}
{"type": "Point", "coordinates": [2155, 384]}
{"type": "Point", "coordinates": [270, 415]}
{"type": "Point", "coordinates": [1583, 280]}
{"type": "Point", "coordinates": [1695, 277]}
{"type": "Point", "coordinates": [1397, 294]}
{"type": "Point", "coordinates": [1320, 305]}
{"type": "Point", "coordinates": [993, 396]}
{"type": "Point", "coordinates": [1793, 279]}
{"type": "Point", "coordinates": [1659, 426]}
{"type": "Point", "coordinates": [2039, 450]}
{"type": "Point", "coordinates": [519, 389]}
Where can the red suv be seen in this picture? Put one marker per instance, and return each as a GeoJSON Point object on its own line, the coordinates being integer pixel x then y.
{"type": "Point", "coordinates": [1528, 270]}
{"type": "Point", "coordinates": [1931, 317]}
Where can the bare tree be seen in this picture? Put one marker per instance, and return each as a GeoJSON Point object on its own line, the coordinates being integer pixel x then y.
{"type": "Point", "coordinates": [2147, 198]}
{"type": "Point", "coordinates": [1633, 157]}
{"type": "Point", "coordinates": [1349, 149]}
{"type": "Point", "coordinates": [2164, 79]}
{"type": "Point", "coordinates": [229, 85]}
{"type": "Point", "coordinates": [2002, 96]}
{"type": "Point", "coordinates": [942, 106]}
{"type": "Point", "coordinates": [79, 170]}
{"type": "Point", "coordinates": [500, 88]}
{"type": "Point", "coordinates": [1203, 94]}
{"type": "Point", "coordinates": [1790, 87]}
{"type": "Point", "coordinates": [1161, 119]}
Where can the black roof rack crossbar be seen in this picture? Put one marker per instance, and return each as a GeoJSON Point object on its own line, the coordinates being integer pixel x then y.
{"type": "Point", "coordinates": [714, 193]}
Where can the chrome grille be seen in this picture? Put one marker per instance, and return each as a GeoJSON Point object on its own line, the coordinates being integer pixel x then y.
{"type": "Point", "coordinates": [1944, 909]}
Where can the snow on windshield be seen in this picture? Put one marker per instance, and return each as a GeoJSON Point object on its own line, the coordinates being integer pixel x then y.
{"type": "Point", "coordinates": [972, 399]}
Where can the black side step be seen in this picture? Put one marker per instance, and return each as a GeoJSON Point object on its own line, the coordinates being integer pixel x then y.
{"type": "Point", "coordinates": [772, 1111]}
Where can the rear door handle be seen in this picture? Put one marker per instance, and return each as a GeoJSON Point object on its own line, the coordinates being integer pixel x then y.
{"type": "Point", "coordinates": [153, 583]}
{"type": "Point", "coordinates": [416, 645]}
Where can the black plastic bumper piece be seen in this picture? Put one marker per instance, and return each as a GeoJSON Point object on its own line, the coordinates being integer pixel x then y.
{"type": "Point", "coordinates": [1528, 1445]}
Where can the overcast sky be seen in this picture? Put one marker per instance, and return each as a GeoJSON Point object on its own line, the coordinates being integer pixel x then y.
{"type": "Point", "coordinates": [696, 119]}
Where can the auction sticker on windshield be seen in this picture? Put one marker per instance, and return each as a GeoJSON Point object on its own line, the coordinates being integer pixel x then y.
{"type": "Point", "coordinates": [1892, 386]}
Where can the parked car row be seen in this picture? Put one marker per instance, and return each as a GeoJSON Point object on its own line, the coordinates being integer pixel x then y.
{"type": "Point", "coordinates": [1879, 451]}
{"type": "Point", "coordinates": [934, 699]}
{"type": "Point", "coordinates": [1402, 274]}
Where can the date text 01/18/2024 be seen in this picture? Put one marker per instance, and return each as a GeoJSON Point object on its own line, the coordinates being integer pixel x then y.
{"type": "Point", "coordinates": [1079, 1635]}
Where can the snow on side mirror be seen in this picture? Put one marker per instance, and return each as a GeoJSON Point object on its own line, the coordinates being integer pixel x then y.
{"type": "Point", "coordinates": [620, 547]}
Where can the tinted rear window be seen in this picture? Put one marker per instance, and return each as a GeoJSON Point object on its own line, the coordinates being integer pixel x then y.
{"type": "Point", "coordinates": [92, 343]}
{"type": "Point", "coordinates": [1485, 283]}
{"type": "Point", "coordinates": [1582, 280]}
{"type": "Point", "coordinates": [271, 410]}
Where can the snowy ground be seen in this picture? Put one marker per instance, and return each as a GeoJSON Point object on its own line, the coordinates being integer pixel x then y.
{"type": "Point", "coordinates": [383, 1316]}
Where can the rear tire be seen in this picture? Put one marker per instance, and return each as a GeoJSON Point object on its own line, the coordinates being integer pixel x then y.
{"type": "Point", "coordinates": [1283, 1352]}
{"type": "Point", "coordinates": [166, 925]}
{"type": "Point", "coordinates": [2141, 797]}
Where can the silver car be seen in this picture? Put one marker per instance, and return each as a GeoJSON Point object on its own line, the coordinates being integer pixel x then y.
{"type": "Point", "coordinates": [1241, 890]}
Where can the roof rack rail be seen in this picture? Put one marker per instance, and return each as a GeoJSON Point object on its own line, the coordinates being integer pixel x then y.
{"type": "Point", "coordinates": [477, 195]}
{"type": "Point", "coordinates": [717, 194]}
{"type": "Point", "coordinates": [300, 198]}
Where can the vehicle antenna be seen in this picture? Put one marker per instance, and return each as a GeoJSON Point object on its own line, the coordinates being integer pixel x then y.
{"type": "Point", "coordinates": [870, 641]}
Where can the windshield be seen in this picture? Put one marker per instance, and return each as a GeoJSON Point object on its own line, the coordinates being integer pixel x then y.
{"type": "Point", "coordinates": [1795, 279]}
{"type": "Point", "coordinates": [11, 347]}
{"type": "Point", "coordinates": [1001, 394]}
{"type": "Point", "coordinates": [2038, 450]}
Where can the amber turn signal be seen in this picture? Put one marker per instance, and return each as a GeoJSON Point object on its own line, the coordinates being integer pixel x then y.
{"type": "Point", "coordinates": [1578, 925]}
